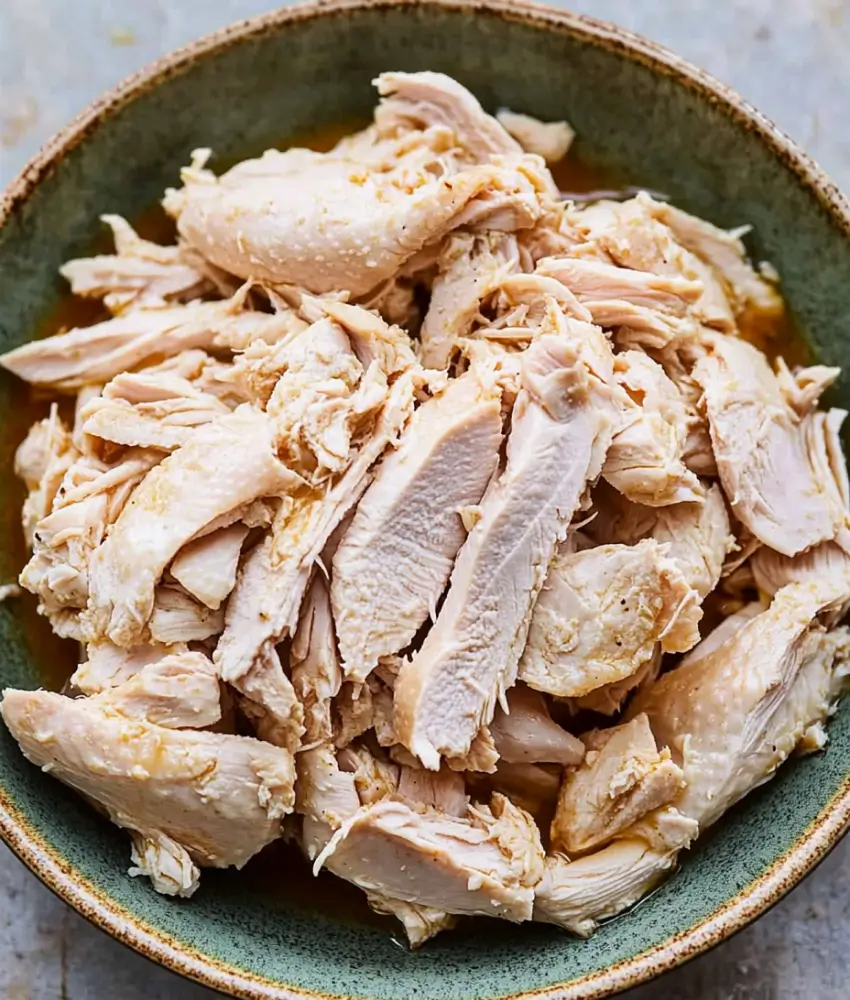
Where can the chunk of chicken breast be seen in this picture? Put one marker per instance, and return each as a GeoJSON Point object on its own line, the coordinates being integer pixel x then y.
{"type": "Point", "coordinates": [601, 613]}
{"type": "Point", "coordinates": [107, 665]}
{"type": "Point", "coordinates": [487, 863]}
{"type": "Point", "coordinates": [217, 799]}
{"type": "Point", "coordinates": [207, 566]}
{"type": "Point", "coordinates": [227, 463]}
{"type": "Point", "coordinates": [177, 617]}
{"type": "Point", "coordinates": [577, 895]}
{"type": "Point", "coordinates": [551, 140]}
{"type": "Point", "coordinates": [95, 354]}
{"type": "Point", "coordinates": [315, 669]}
{"type": "Point", "coordinates": [140, 274]}
{"type": "Point", "coordinates": [561, 428]}
{"type": "Point", "coordinates": [733, 716]}
{"type": "Point", "coordinates": [773, 571]}
{"type": "Point", "coordinates": [527, 734]}
{"type": "Point", "coordinates": [783, 475]}
{"type": "Point", "coordinates": [471, 268]}
{"type": "Point", "coordinates": [41, 461]}
{"type": "Point", "coordinates": [624, 776]}
{"type": "Point", "coordinates": [395, 558]}
{"type": "Point", "coordinates": [646, 459]}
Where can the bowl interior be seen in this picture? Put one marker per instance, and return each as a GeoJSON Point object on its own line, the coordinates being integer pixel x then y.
{"type": "Point", "coordinates": [640, 123]}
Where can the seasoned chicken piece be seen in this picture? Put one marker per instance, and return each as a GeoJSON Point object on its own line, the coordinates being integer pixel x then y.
{"type": "Point", "coordinates": [624, 776]}
{"type": "Point", "coordinates": [419, 100]}
{"type": "Point", "coordinates": [178, 691]}
{"type": "Point", "coordinates": [263, 607]}
{"type": "Point", "coordinates": [733, 716]}
{"type": "Point", "coordinates": [226, 464]}
{"type": "Point", "coordinates": [551, 140]}
{"type": "Point", "coordinates": [394, 560]}
{"type": "Point", "coordinates": [207, 566]}
{"type": "Point", "coordinates": [41, 460]}
{"type": "Point", "coordinates": [629, 234]}
{"type": "Point", "coordinates": [178, 617]}
{"type": "Point", "coordinates": [220, 798]}
{"type": "Point", "coordinates": [330, 221]}
{"type": "Point", "coordinates": [748, 291]}
{"type": "Point", "coordinates": [471, 268]}
{"type": "Point", "coordinates": [140, 274]}
{"type": "Point", "coordinates": [601, 613]}
{"type": "Point", "coordinates": [90, 499]}
{"type": "Point", "coordinates": [784, 476]}
{"type": "Point", "coordinates": [106, 665]}
{"type": "Point", "coordinates": [646, 459]}
{"type": "Point", "coordinates": [561, 427]}
{"type": "Point", "coordinates": [486, 863]}
{"type": "Point", "coordinates": [166, 416]}
{"type": "Point", "coordinates": [527, 734]}
{"type": "Point", "coordinates": [443, 790]}
{"type": "Point", "coordinates": [577, 895]}
{"type": "Point", "coordinates": [95, 354]}
{"type": "Point", "coordinates": [315, 669]}
{"type": "Point", "coordinates": [773, 571]}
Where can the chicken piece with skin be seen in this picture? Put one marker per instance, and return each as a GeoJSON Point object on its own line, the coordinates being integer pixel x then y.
{"type": "Point", "coordinates": [784, 476]}
{"type": "Point", "coordinates": [395, 559]}
{"type": "Point", "coordinates": [600, 615]}
{"type": "Point", "coordinates": [227, 464]}
{"type": "Point", "coordinates": [140, 274]}
{"type": "Point", "coordinates": [485, 863]}
{"type": "Point", "coordinates": [471, 268]}
{"type": "Point", "coordinates": [351, 218]}
{"type": "Point", "coordinates": [624, 776]}
{"type": "Point", "coordinates": [731, 717]}
{"type": "Point", "coordinates": [188, 797]}
{"type": "Point", "coordinates": [646, 459]}
{"type": "Point", "coordinates": [562, 424]}
{"type": "Point", "coordinates": [527, 734]}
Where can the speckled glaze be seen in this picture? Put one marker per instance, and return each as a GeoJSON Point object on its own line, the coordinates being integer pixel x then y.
{"type": "Point", "coordinates": [638, 110]}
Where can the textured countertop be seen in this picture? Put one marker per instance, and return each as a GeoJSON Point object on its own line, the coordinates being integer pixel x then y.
{"type": "Point", "coordinates": [789, 58]}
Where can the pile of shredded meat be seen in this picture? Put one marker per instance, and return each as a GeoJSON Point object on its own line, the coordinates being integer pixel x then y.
{"type": "Point", "coordinates": [443, 525]}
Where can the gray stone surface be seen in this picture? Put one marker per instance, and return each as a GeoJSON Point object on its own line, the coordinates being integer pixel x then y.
{"type": "Point", "coordinates": [789, 59]}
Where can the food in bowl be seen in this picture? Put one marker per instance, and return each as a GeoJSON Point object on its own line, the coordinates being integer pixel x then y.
{"type": "Point", "coordinates": [394, 497]}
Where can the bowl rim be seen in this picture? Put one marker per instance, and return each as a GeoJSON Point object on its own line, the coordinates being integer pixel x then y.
{"type": "Point", "coordinates": [760, 894]}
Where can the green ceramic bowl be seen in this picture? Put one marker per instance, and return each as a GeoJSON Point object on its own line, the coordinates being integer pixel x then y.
{"type": "Point", "coordinates": [645, 116]}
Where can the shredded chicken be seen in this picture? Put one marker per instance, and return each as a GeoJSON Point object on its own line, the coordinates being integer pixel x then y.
{"type": "Point", "coordinates": [399, 462]}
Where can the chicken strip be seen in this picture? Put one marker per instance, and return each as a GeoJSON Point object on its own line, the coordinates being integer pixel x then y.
{"type": "Point", "coordinates": [561, 427]}
{"type": "Point", "coordinates": [487, 863]}
{"type": "Point", "coordinates": [395, 558]}
{"type": "Point", "coordinates": [315, 669]}
{"type": "Point", "coordinates": [624, 776]}
{"type": "Point", "coordinates": [733, 716]}
{"type": "Point", "coordinates": [213, 799]}
{"type": "Point", "coordinates": [600, 615]}
{"type": "Point", "coordinates": [551, 140]}
{"type": "Point", "coordinates": [646, 459]}
{"type": "Point", "coordinates": [471, 268]}
{"type": "Point", "coordinates": [227, 463]}
{"type": "Point", "coordinates": [783, 475]}
{"type": "Point", "coordinates": [207, 566]}
{"type": "Point", "coordinates": [41, 461]}
{"type": "Point", "coordinates": [95, 354]}
{"type": "Point", "coordinates": [527, 734]}
{"type": "Point", "coordinates": [140, 274]}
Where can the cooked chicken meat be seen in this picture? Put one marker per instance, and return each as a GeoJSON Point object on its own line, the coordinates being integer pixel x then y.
{"type": "Point", "coordinates": [398, 462]}
{"type": "Point", "coordinates": [561, 428]}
